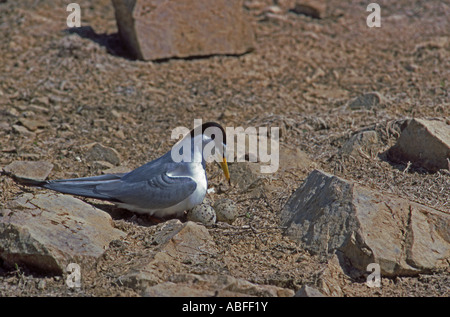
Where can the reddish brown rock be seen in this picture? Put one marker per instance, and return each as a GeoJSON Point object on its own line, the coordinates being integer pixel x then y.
{"type": "Point", "coordinates": [156, 29]}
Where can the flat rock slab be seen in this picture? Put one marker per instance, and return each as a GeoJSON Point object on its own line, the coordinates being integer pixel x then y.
{"type": "Point", "coordinates": [45, 232]}
{"type": "Point", "coordinates": [156, 29]}
{"type": "Point", "coordinates": [34, 170]}
{"type": "Point", "coordinates": [33, 125]}
{"type": "Point", "coordinates": [207, 285]}
{"type": "Point", "coordinates": [425, 143]}
{"type": "Point", "coordinates": [328, 214]}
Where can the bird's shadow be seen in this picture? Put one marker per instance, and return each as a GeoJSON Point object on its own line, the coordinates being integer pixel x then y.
{"type": "Point", "coordinates": [118, 213]}
{"type": "Point", "coordinates": [112, 42]}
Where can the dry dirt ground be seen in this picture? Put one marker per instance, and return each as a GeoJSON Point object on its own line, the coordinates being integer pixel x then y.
{"type": "Point", "coordinates": [300, 77]}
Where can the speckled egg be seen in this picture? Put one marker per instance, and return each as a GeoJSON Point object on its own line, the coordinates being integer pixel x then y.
{"type": "Point", "coordinates": [226, 210]}
{"type": "Point", "coordinates": [202, 213]}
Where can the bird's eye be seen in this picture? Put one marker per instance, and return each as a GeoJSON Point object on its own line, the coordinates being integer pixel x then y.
{"type": "Point", "coordinates": [213, 136]}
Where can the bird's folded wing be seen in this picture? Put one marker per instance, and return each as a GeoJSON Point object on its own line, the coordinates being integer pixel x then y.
{"type": "Point", "coordinates": [84, 186]}
{"type": "Point", "coordinates": [159, 192]}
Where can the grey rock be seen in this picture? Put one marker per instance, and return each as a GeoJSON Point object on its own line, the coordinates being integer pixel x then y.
{"type": "Point", "coordinates": [102, 165]}
{"type": "Point", "coordinates": [46, 232]}
{"type": "Point", "coordinates": [362, 142]}
{"type": "Point", "coordinates": [425, 143]}
{"type": "Point", "coordinates": [328, 214]}
{"type": "Point", "coordinates": [99, 152]}
{"type": "Point", "coordinates": [206, 285]}
{"type": "Point", "coordinates": [34, 170]}
{"type": "Point", "coordinates": [308, 291]}
{"type": "Point", "coordinates": [196, 241]}
{"type": "Point", "coordinates": [155, 29]}
{"type": "Point", "coordinates": [167, 231]}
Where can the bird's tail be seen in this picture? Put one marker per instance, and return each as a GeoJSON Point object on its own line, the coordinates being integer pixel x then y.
{"type": "Point", "coordinates": [85, 186]}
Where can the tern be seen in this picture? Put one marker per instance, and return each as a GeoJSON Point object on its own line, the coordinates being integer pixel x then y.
{"type": "Point", "coordinates": [164, 187]}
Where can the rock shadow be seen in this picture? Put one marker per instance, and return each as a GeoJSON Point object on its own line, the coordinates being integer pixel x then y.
{"type": "Point", "coordinates": [112, 42]}
{"type": "Point", "coordinates": [406, 167]}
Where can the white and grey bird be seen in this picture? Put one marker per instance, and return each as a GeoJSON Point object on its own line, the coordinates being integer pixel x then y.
{"type": "Point", "coordinates": [163, 187]}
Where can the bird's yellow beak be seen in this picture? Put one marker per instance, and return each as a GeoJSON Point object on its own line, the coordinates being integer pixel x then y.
{"type": "Point", "coordinates": [224, 166]}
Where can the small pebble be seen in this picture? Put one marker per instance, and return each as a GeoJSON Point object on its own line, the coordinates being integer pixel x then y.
{"type": "Point", "coordinates": [41, 285]}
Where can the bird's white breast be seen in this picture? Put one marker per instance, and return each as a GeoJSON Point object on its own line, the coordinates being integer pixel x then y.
{"type": "Point", "coordinates": [197, 173]}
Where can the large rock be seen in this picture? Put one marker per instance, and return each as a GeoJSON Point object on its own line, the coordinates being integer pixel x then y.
{"type": "Point", "coordinates": [424, 143]}
{"type": "Point", "coordinates": [48, 231]}
{"type": "Point", "coordinates": [328, 214]}
{"type": "Point", "coordinates": [160, 29]}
